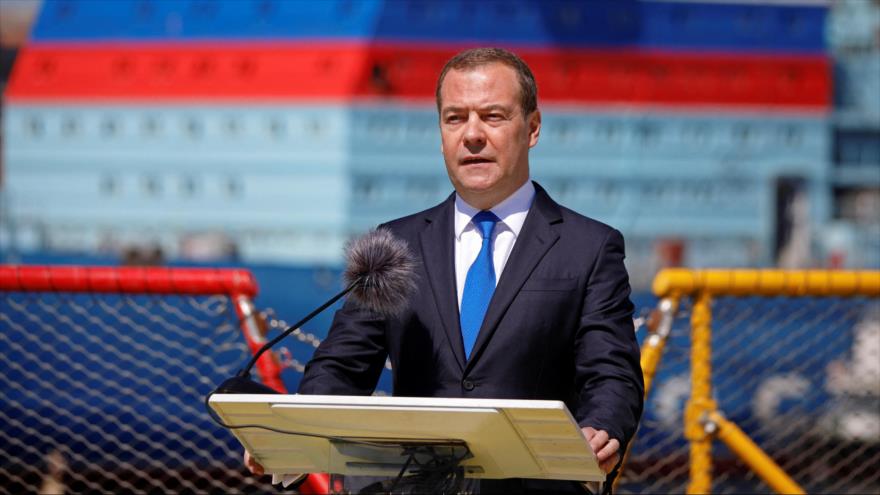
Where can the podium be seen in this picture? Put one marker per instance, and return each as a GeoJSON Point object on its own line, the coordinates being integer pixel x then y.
{"type": "Point", "coordinates": [386, 436]}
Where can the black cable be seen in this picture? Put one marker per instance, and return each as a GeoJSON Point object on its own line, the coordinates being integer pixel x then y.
{"type": "Point", "coordinates": [440, 474]}
{"type": "Point", "coordinates": [406, 464]}
{"type": "Point", "coordinates": [402, 443]}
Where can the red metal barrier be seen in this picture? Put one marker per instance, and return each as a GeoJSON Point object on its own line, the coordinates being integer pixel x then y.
{"type": "Point", "coordinates": [238, 284]}
{"type": "Point", "coordinates": [147, 280]}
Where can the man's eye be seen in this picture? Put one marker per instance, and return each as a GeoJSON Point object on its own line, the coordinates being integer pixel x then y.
{"type": "Point", "coordinates": [494, 117]}
{"type": "Point", "coordinates": [453, 119]}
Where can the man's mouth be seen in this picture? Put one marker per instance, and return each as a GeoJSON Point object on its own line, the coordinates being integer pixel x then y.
{"type": "Point", "coordinates": [472, 160]}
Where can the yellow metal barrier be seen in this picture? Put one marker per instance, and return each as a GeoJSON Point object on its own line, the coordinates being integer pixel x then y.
{"type": "Point", "coordinates": [700, 404]}
{"type": "Point", "coordinates": [750, 453]}
{"type": "Point", "coordinates": [659, 325]}
{"type": "Point", "coordinates": [680, 282]}
{"type": "Point", "coordinates": [702, 420]}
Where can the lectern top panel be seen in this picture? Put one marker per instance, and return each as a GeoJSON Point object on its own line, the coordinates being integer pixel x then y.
{"type": "Point", "coordinates": [508, 438]}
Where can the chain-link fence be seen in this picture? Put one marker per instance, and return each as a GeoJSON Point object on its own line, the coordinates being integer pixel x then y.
{"type": "Point", "coordinates": [296, 350]}
{"type": "Point", "coordinates": [103, 392]}
{"type": "Point", "coordinates": [799, 375]}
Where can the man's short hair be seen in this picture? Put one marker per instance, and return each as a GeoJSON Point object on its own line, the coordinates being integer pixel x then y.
{"type": "Point", "coordinates": [478, 57]}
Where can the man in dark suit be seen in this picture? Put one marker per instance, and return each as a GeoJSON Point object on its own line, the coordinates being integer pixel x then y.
{"type": "Point", "coordinates": [518, 297]}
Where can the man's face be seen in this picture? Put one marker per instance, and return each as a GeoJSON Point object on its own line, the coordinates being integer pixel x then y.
{"type": "Point", "coordinates": [485, 137]}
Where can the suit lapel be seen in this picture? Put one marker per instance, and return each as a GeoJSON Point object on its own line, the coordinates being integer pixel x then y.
{"type": "Point", "coordinates": [533, 242]}
{"type": "Point", "coordinates": [438, 244]}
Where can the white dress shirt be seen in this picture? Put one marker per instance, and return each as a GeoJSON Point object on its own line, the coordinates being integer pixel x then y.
{"type": "Point", "coordinates": [511, 212]}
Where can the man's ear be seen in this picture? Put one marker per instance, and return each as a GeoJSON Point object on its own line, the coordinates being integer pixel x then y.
{"type": "Point", "coordinates": [534, 122]}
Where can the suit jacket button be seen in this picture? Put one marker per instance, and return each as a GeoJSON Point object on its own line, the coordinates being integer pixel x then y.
{"type": "Point", "coordinates": [468, 385]}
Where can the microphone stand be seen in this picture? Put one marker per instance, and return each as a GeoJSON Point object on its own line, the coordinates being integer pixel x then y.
{"type": "Point", "coordinates": [242, 383]}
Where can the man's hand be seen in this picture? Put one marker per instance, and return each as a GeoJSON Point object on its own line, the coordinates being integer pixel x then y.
{"type": "Point", "coordinates": [252, 465]}
{"type": "Point", "coordinates": [604, 446]}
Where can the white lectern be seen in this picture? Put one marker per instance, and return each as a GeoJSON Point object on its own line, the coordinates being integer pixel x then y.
{"type": "Point", "coordinates": [381, 436]}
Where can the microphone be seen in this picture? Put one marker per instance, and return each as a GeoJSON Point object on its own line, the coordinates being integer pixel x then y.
{"type": "Point", "coordinates": [379, 274]}
{"type": "Point", "coordinates": [381, 269]}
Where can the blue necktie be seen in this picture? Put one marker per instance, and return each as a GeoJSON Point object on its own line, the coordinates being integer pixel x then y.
{"type": "Point", "coordinates": [479, 284]}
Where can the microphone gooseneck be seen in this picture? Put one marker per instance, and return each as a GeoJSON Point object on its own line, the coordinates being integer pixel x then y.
{"type": "Point", "coordinates": [379, 275]}
{"type": "Point", "coordinates": [268, 345]}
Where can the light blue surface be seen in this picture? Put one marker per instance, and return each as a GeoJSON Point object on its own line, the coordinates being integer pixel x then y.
{"type": "Point", "coordinates": [207, 131]}
{"type": "Point", "coordinates": [291, 183]}
{"type": "Point", "coordinates": [857, 84]}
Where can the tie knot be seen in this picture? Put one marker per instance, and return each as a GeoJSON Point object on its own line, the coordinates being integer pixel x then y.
{"type": "Point", "coordinates": [485, 221]}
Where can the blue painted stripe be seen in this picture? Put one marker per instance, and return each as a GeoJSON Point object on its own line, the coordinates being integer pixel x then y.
{"type": "Point", "coordinates": [734, 27]}
{"type": "Point", "coordinates": [595, 23]}
{"type": "Point", "coordinates": [93, 20]}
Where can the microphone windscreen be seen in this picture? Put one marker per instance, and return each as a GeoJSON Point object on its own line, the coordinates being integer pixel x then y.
{"type": "Point", "coordinates": [385, 269]}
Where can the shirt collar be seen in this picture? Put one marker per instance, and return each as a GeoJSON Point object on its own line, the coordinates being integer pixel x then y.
{"type": "Point", "coordinates": [512, 211]}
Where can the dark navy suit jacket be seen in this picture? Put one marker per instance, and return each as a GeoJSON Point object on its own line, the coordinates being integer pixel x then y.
{"type": "Point", "coordinates": [559, 326]}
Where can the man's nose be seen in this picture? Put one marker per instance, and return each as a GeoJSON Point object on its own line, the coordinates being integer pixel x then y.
{"type": "Point", "coordinates": [474, 134]}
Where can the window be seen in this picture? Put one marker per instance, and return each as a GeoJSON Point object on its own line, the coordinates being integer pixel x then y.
{"type": "Point", "coordinates": [109, 185]}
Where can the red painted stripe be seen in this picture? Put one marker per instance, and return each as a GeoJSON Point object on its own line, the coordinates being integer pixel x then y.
{"type": "Point", "coordinates": [277, 72]}
{"type": "Point", "coordinates": [185, 72]}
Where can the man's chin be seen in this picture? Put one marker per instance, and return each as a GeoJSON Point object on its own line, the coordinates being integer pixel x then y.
{"type": "Point", "coordinates": [478, 189]}
{"type": "Point", "coordinates": [481, 196]}
{"type": "Point", "coordinates": [479, 180]}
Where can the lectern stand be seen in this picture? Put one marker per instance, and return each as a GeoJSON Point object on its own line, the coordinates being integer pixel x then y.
{"type": "Point", "coordinates": [406, 436]}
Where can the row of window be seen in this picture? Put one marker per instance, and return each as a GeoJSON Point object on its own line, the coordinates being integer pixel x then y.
{"type": "Point", "coordinates": [162, 186]}
{"type": "Point", "coordinates": [370, 189]}
{"type": "Point", "coordinates": [857, 147]}
{"type": "Point", "coordinates": [564, 131]}
{"type": "Point", "coordinates": [190, 127]}
{"type": "Point", "coordinates": [697, 133]}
